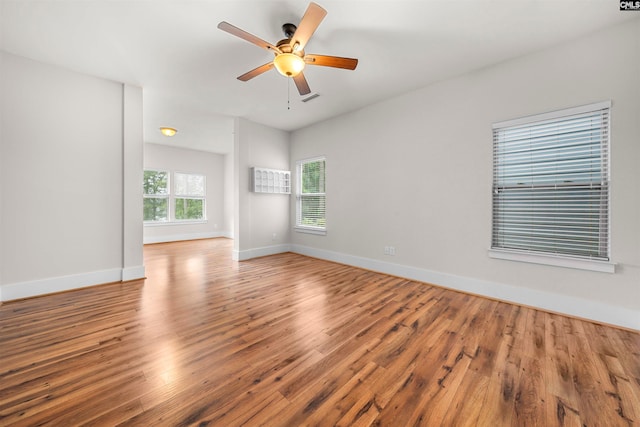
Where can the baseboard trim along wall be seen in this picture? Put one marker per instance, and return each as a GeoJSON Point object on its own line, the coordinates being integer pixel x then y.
{"type": "Point", "coordinates": [558, 303]}
{"type": "Point", "coordinates": [184, 236]}
{"type": "Point", "coordinates": [133, 273]}
{"type": "Point", "coordinates": [14, 291]}
{"type": "Point", "coordinates": [258, 252]}
{"type": "Point", "coordinates": [552, 302]}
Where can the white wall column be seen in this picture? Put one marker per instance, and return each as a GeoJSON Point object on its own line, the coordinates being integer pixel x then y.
{"type": "Point", "coordinates": [132, 161]}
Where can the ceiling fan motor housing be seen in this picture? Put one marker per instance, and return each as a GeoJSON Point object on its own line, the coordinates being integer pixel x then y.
{"type": "Point", "coordinates": [285, 44]}
{"type": "Point", "coordinates": [285, 47]}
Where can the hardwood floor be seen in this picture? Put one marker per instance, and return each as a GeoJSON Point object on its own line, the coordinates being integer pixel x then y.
{"type": "Point", "coordinates": [287, 340]}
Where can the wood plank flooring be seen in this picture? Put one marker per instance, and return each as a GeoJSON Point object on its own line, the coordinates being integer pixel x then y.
{"type": "Point", "coordinates": [288, 340]}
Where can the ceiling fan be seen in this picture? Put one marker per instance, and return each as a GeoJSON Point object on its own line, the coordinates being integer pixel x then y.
{"type": "Point", "coordinates": [290, 58]}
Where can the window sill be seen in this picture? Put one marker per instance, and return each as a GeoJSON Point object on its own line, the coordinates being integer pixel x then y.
{"type": "Point", "coordinates": [311, 230]}
{"type": "Point", "coordinates": [163, 223]}
{"type": "Point", "coordinates": [558, 261]}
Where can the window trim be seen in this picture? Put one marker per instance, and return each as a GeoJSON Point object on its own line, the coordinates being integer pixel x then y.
{"type": "Point", "coordinates": [561, 260]}
{"type": "Point", "coordinates": [553, 114]}
{"type": "Point", "coordinates": [553, 260]}
{"type": "Point", "coordinates": [298, 195]}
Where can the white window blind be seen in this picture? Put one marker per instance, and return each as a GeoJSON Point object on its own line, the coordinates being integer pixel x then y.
{"type": "Point", "coordinates": [189, 196]}
{"type": "Point", "coordinates": [310, 196]}
{"type": "Point", "coordinates": [551, 183]}
{"type": "Point", "coordinates": [189, 185]}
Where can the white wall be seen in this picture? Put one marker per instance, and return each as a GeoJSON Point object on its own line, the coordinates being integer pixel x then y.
{"type": "Point", "coordinates": [212, 166]}
{"type": "Point", "coordinates": [261, 221]}
{"type": "Point", "coordinates": [133, 258]}
{"type": "Point", "coordinates": [228, 195]}
{"type": "Point", "coordinates": [63, 179]}
{"type": "Point", "coordinates": [414, 172]}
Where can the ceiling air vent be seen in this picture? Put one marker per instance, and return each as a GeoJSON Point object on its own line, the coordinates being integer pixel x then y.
{"type": "Point", "coordinates": [309, 98]}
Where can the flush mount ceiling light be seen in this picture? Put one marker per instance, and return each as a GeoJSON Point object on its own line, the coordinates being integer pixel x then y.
{"type": "Point", "coordinates": [168, 131]}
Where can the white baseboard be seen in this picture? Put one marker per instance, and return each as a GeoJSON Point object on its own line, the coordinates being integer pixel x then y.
{"type": "Point", "coordinates": [548, 301]}
{"type": "Point", "coordinates": [573, 306]}
{"type": "Point", "coordinates": [184, 236]}
{"type": "Point", "coordinates": [133, 273]}
{"type": "Point", "coordinates": [34, 288]}
{"type": "Point", "coordinates": [258, 252]}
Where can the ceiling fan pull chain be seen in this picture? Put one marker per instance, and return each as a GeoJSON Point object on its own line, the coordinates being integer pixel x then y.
{"type": "Point", "coordinates": [288, 94]}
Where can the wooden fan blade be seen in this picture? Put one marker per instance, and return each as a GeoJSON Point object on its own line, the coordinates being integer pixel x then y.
{"type": "Point", "coordinates": [301, 84]}
{"type": "Point", "coordinates": [231, 29]}
{"type": "Point", "coordinates": [310, 21]}
{"type": "Point", "coordinates": [331, 61]}
{"type": "Point", "coordinates": [256, 71]}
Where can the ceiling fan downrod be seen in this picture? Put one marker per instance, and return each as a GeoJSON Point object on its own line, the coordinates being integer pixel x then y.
{"type": "Point", "coordinates": [289, 30]}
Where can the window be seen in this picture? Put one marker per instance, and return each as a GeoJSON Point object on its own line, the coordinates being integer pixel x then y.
{"type": "Point", "coordinates": [551, 184]}
{"type": "Point", "coordinates": [156, 195]}
{"type": "Point", "coordinates": [187, 199]}
{"type": "Point", "coordinates": [310, 196]}
{"type": "Point", "coordinates": [189, 196]}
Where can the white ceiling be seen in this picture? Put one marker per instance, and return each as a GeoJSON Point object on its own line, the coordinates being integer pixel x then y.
{"type": "Point", "coordinates": [188, 68]}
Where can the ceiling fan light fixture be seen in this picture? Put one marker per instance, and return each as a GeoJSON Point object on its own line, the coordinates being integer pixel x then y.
{"type": "Point", "coordinates": [167, 131]}
{"type": "Point", "coordinates": [289, 64]}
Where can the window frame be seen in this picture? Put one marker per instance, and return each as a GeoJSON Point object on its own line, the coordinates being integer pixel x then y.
{"type": "Point", "coordinates": [303, 228]}
{"type": "Point", "coordinates": [601, 264]}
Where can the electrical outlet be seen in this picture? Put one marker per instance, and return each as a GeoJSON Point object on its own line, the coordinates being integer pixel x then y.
{"type": "Point", "coordinates": [392, 250]}
{"type": "Point", "coordinates": [274, 236]}
{"type": "Point", "coordinates": [386, 250]}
